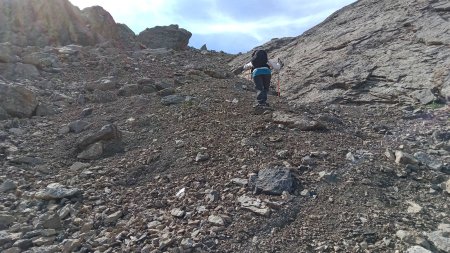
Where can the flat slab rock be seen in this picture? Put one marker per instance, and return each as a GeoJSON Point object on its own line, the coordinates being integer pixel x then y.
{"type": "Point", "coordinates": [254, 205]}
{"type": "Point", "coordinates": [273, 181]}
{"type": "Point", "coordinates": [56, 191]}
{"type": "Point", "coordinates": [297, 121]}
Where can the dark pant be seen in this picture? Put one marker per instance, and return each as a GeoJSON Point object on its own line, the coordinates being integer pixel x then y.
{"type": "Point", "coordinates": [262, 84]}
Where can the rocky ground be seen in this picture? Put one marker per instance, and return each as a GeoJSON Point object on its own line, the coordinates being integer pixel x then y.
{"type": "Point", "coordinates": [161, 151]}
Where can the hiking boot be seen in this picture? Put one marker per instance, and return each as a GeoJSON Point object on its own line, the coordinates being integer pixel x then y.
{"type": "Point", "coordinates": [261, 105]}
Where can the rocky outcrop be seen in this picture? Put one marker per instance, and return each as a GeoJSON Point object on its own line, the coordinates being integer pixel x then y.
{"type": "Point", "coordinates": [57, 23]}
{"type": "Point", "coordinates": [17, 101]}
{"type": "Point", "coordinates": [171, 37]}
{"type": "Point", "coordinates": [370, 51]}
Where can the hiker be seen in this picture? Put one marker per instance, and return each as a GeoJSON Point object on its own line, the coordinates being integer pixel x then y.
{"type": "Point", "coordinates": [261, 74]}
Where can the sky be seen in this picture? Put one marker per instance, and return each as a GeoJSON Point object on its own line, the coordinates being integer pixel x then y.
{"type": "Point", "coordinates": [231, 26]}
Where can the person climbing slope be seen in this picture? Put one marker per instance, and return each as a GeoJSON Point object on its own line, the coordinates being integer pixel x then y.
{"type": "Point", "coordinates": [261, 74]}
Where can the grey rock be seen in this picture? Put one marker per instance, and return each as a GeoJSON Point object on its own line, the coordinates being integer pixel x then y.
{"type": "Point", "coordinates": [187, 243]}
{"type": "Point", "coordinates": [166, 92]}
{"type": "Point", "coordinates": [3, 114]}
{"type": "Point", "coordinates": [86, 112]}
{"type": "Point", "coordinates": [297, 121]}
{"type": "Point", "coordinates": [216, 220]}
{"type": "Point", "coordinates": [17, 101]}
{"type": "Point", "coordinates": [254, 205]}
{"type": "Point", "coordinates": [177, 212]}
{"type": "Point", "coordinates": [274, 181]}
{"type": "Point", "coordinates": [92, 152]}
{"type": "Point", "coordinates": [13, 250]}
{"type": "Point", "coordinates": [44, 109]}
{"type": "Point", "coordinates": [417, 249]}
{"type": "Point", "coordinates": [429, 161]}
{"type": "Point", "coordinates": [8, 185]}
{"type": "Point", "coordinates": [329, 177]}
{"type": "Point", "coordinates": [445, 186]}
{"type": "Point", "coordinates": [78, 126]}
{"type": "Point", "coordinates": [440, 239]}
{"type": "Point", "coordinates": [79, 166]}
{"type": "Point", "coordinates": [29, 160]}
{"type": "Point", "coordinates": [6, 220]}
{"type": "Point", "coordinates": [45, 249]}
{"type": "Point", "coordinates": [424, 96]}
{"type": "Point", "coordinates": [71, 245]}
{"type": "Point", "coordinates": [136, 89]}
{"type": "Point", "coordinates": [240, 181]}
{"type": "Point", "coordinates": [405, 158]}
{"type": "Point", "coordinates": [106, 133]}
{"type": "Point", "coordinates": [165, 37]}
{"type": "Point", "coordinates": [50, 221]}
{"type": "Point", "coordinates": [172, 100]}
{"type": "Point", "coordinates": [201, 157]}
{"type": "Point", "coordinates": [8, 53]}
{"type": "Point", "coordinates": [56, 191]}
{"type": "Point", "coordinates": [23, 244]}
{"type": "Point", "coordinates": [114, 217]}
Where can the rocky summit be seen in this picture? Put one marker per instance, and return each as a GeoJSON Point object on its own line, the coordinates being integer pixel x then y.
{"type": "Point", "coordinates": [106, 148]}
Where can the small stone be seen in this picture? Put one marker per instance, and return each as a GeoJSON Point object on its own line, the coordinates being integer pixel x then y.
{"type": "Point", "coordinates": [240, 181]}
{"type": "Point", "coordinates": [213, 196]}
{"type": "Point", "coordinates": [92, 152]}
{"type": "Point", "coordinates": [79, 166]}
{"type": "Point", "coordinates": [305, 193]}
{"type": "Point", "coordinates": [216, 220]}
{"type": "Point", "coordinates": [6, 220]}
{"type": "Point", "coordinates": [413, 207]}
{"type": "Point", "coordinates": [187, 243]}
{"type": "Point", "coordinates": [405, 158]}
{"type": "Point", "coordinates": [56, 191]}
{"type": "Point", "coordinates": [78, 126]}
{"type": "Point", "coordinates": [282, 154]}
{"type": "Point", "coordinates": [86, 112]}
{"type": "Point", "coordinates": [329, 177]}
{"type": "Point", "coordinates": [71, 245]}
{"type": "Point", "coordinates": [113, 218]}
{"type": "Point", "coordinates": [177, 212]}
{"type": "Point", "coordinates": [51, 221]}
{"type": "Point", "coordinates": [254, 205]}
{"type": "Point", "coordinates": [153, 224]}
{"type": "Point", "coordinates": [23, 244]}
{"type": "Point", "coordinates": [8, 185]}
{"type": "Point", "coordinates": [201, 157]}
{"type": "Point", "coordinates": [429, 161]}
{"type": "Point", "coordinates": [441, 238]}
{"type": "Point", "coordinates": [417, 249]}
{"type": "Point", "coordinates": [274, 181]}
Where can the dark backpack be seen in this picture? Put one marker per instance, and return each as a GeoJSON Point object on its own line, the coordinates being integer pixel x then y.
{"type": "Point", "coordinates": [259, 59]}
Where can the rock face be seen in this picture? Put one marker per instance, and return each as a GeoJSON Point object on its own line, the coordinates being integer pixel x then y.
{"type": "Point", "coordinates": [165, 37]}
{"type": "Point", "coordinates": [17, 101]}
{"type": "Point", "coordinates": [370, 51]}
{"type": "Point", "coordinates": [57, 22]}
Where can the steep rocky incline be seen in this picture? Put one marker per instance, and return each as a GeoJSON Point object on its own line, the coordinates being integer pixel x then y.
{"type": "Point", "coordinates": [161, 151]}
{"type": "Point", "coordinates": [370, 51]}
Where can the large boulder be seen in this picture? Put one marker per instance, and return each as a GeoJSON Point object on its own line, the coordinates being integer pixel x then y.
{"type": "Point", "coordinates": [17, 101]}
{"type": "Point", "coordinates": [171, 37]}
{"type": "Point", "coordinates": [358, 56]}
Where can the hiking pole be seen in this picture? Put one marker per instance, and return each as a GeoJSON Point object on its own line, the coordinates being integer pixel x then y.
{"type": "Point", "coordinates": [279, 94]}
